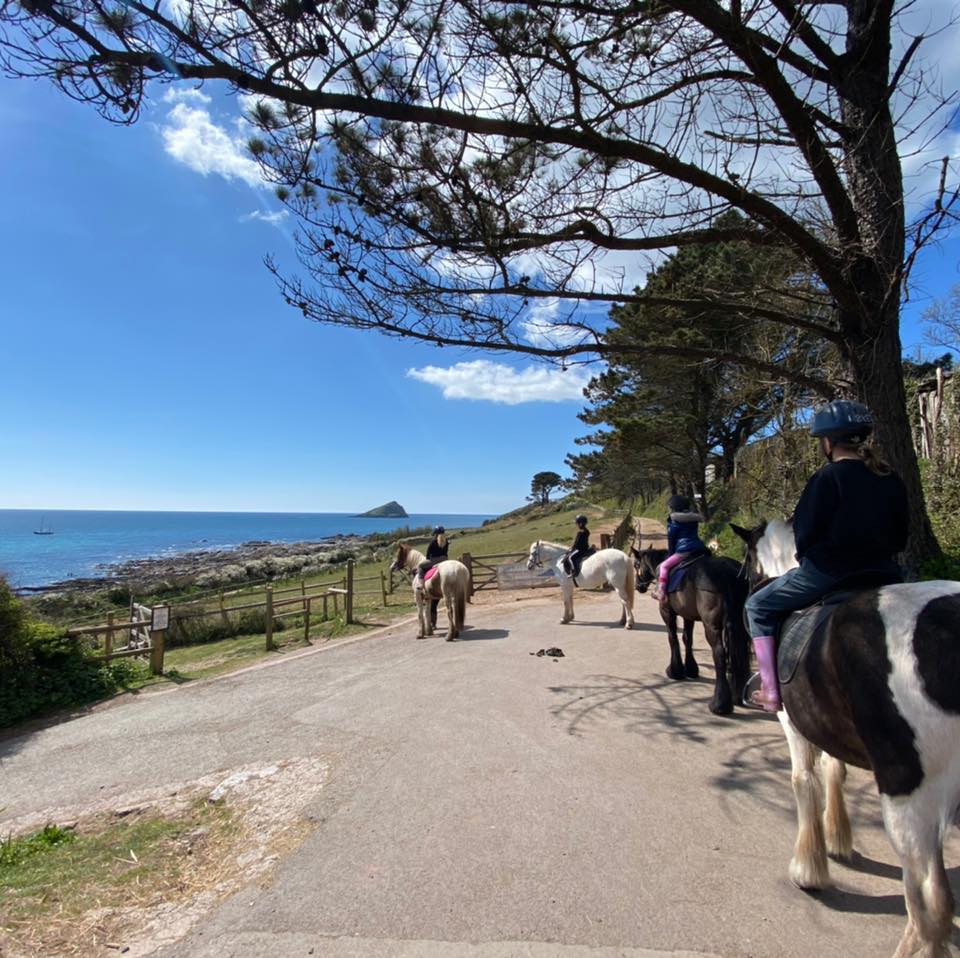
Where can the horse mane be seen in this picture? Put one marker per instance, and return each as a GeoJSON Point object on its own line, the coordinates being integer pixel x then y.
{"type": "Point", "coordinates": [776, 550]}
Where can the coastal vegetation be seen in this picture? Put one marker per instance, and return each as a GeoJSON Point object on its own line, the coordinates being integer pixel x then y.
{"type": "Point", "coordinates": [42, 669]}
{"type": "Point", "coordinates": [60, 672]}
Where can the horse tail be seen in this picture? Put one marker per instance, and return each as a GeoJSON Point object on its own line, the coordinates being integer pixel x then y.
{"type": "Point", "coordinates": [629, 587]}
{"type": "Point", "coordinates": [460, 609]}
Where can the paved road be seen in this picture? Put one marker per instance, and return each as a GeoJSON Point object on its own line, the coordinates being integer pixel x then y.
{"type": "Point", "coordinates": [484, 802]}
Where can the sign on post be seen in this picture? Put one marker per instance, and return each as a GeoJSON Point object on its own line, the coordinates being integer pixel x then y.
{"type": "Point", "coordinates": [160, 618]}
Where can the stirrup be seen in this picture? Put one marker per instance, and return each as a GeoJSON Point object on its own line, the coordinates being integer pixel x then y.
{"type": "Point", "coordinates": [756, 697]}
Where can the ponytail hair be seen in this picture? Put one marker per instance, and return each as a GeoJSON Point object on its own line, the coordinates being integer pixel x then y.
{"type": "Point", "coordinates": [873, 460]}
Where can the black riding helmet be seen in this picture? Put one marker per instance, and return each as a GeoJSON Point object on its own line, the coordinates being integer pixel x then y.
{"type": "Point", "coordinates": [678, 504]}
{"type": "Point", "coordinates": [438, 530]}
{"type": "Point", "coordinates": [844, 420]}
{"type": "Point", "coordinates": [581, 520]}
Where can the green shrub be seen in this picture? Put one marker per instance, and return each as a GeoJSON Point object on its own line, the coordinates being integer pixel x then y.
{"type": "Point", "coordinates": [43, 669]}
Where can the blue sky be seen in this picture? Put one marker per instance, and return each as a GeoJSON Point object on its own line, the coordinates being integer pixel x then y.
{"type": "Point", "coordinates": [148, 362]}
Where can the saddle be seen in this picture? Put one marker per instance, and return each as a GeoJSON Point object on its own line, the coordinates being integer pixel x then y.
{"type": "Point", "coordinates": [679, 572]}
{"type": "Point", "coordinates": [806, 628]}
{"type": "Point", "coordinates": [568, 562]}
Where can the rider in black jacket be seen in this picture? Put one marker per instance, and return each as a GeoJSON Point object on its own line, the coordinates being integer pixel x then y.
{"type": "Point", "coordinates": [852, 518]}
{"type": "Point", "coordinates": [436, 552]}
{"type": "Point", "coordinates": [581, 547]}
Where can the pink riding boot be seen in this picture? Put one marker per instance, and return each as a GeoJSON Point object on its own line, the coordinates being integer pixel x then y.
{"type": "Point", "coordinates": [768, 696]}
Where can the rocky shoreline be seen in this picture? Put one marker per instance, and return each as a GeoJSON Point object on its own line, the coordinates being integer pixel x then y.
{"type": "Point", "coordinates": [210, 568]}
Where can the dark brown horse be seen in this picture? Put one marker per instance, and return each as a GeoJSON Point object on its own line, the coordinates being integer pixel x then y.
{"type": "Point", "coordinates": [713, 593]}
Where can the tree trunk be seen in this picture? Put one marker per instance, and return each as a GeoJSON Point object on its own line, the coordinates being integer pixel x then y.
{"type": "Point", "coordinates": [872, 249]}
{"type": "Point", "coordinates": [878, 371]}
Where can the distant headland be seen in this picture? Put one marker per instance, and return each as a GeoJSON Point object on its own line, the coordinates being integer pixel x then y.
{"type": "Point", "coordinates": [389, 510]}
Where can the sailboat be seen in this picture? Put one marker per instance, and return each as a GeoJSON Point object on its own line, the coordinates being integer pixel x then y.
{"type": "Point", "coordinates": [41, 531]}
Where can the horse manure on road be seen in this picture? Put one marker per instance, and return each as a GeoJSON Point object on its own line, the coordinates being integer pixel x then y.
{"type": "Point", "coordinates": [553, 652]}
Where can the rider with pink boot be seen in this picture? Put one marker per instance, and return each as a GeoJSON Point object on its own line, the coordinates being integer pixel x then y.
{"type": "Point", "coordinates": [851, 519]}
{"type": "Point", "coordinates": [683, 541]}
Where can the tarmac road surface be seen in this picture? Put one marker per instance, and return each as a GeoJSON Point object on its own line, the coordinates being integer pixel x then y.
{"type": "Point", "coordinates": [485, 802]}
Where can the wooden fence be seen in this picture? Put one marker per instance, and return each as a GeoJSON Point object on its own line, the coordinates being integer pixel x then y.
{"type": "Point", "coordinates": [144, 637]}
{"type": "Point", "coordinates": [505, 570]}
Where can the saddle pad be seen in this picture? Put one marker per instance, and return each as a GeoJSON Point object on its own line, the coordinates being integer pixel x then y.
{"type": "Point", "coordinates": [799, 629]}
{"type": "Point", "coordinates": [430, 573]}
{"type": "Point", "coordinates": [679, 572]}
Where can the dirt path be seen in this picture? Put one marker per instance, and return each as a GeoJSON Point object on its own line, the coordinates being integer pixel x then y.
{"type": "Point", "coordinates": [473, 799]}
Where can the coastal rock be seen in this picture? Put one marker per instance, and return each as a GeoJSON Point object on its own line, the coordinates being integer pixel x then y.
{"type": "Point", "coordinates": [389, 510]}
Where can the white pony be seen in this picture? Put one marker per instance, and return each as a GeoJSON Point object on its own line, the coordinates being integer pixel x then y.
{"type": "Point", "coordinates": [880, 689]}
{"type": "Point", "coordinates": [607, 565]}
{"type": "Point", "coordinates": [451, 583]}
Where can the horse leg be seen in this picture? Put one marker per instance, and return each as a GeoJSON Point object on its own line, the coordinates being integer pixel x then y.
{"type": "Point", "coordinates": [913, 825]}
{"type": "Point", "coordinates": [423, 613]}
{"type": "Point", "coordinates": [808, 867]}
{"type": "Point", "coordinates": [836, 822]}
{"type": "Point", "coordinates": [722, 701]}
{"type": "Point", "coordinates": [452, 632]}
{"type": "Point", "coordinates": [690, 667]}
{"type": "Point", "coordinates": [566, 593]}
{"type": "Point", "coordinates": [675, 668]}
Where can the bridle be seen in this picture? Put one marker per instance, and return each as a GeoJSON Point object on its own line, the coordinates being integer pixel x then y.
{"type": "Point", "coordinates": [535, 562]}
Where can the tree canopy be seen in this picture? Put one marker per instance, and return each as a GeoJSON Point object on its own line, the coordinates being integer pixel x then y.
{"type": "Point", "coordinates": [457, 164]}
{"type": "Point", "coordinates": [542, 484]}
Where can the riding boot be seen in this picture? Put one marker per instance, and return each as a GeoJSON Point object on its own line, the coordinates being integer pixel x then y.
{"type": "Point", "coordinates": [433, 611]}
{"type": "Point", "coordinates": [768, 696]}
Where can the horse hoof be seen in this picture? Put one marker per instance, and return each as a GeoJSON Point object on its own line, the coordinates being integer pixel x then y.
{"type": "Point", "coordinates": [628, 625]}
{"type": "Point", "coordinates": [677, 675]}
{"type": "Point", "coordinates": [722, 708]}
{"type": "Point", "coordinates": [809, 876]}
{"type": "Point", "coordinates": [693, 671]}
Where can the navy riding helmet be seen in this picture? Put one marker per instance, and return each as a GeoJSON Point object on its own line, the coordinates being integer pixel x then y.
{"type": "Point", "coordinates": [844, 420]}
{"type": "Point", "coordinates": [678, 504]}
{"type": "Point", "coordinates": [438, 530]}
{"type": "Point", "coordinates": [581, 520]}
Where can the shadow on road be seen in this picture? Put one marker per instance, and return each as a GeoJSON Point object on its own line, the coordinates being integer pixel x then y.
{"type": "Point", "coordinates": [470, 634]}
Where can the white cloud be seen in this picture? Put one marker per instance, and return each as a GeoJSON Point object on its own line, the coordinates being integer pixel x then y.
{"type": "Point", "coordinates": [192, 137]}
{"type": "Point", "coordinates": [541, 327]}
{"type": "Point", "coordinates": [273, 218]}
{"type": "Point", "coordinates": [185, 94]}
{"type": "Point", "coordinates": [496, 382]}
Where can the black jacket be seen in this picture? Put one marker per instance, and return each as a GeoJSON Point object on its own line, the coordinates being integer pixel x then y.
{"type": "Point", "coordinates": [436, 552]}
{"type": "Point", "coordinates": [850, 520]}
{"type": "Point", "coordinates": [581, 545]}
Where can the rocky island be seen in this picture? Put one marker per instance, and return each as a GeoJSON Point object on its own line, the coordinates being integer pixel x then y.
{"type": "Point", "coordinates": [390, 510]}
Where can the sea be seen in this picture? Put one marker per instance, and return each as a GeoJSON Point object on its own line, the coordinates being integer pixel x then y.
{"type": "Point", "coordinates": [85, 543]}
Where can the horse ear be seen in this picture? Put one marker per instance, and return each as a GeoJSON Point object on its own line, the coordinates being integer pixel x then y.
{"type": "Point", "coordinates": [745, 534]}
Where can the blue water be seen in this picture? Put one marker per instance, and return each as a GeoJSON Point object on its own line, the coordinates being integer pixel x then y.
{"type": "Point", "coordinates": [85, 541]}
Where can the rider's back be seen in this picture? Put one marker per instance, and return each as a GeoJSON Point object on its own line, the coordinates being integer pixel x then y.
{"type": "Point", "coordinates": [851, 519]}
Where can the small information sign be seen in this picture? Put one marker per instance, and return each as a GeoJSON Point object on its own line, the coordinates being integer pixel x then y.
{"type": "Point", "coordinates": [160, 620]}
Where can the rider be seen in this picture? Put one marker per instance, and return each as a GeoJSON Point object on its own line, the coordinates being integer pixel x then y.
{"type": "Point", "coordinates": [581, 548]}
{"type": "Point", "coordinates": [852, 518]}
{"type": "Point", "coordinates": [436, 553]}
{"type": "Point", "coordinates": [683, 540]}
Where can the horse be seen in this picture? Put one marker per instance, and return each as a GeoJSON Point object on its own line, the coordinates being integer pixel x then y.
{"type": "Point", "coordinates": [713, 592]}
{"type": "Point", "coordinates": [451, 582]}
{"type": "Point", "coordinates": [879, 688]}
{"type": "Point", "coordinates": [607, 565]}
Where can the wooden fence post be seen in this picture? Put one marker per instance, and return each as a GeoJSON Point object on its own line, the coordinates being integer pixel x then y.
{"type": "Point", "coordinates": [306, 620]}
{"type": "Point", "coordinates": [383, 587]}
{"type": "Point", "coordinates": [269, 619]}
{"type": "Point", "coordinates": [108, 638]}
{"type": "Point", "coordinates": [158, 640]}
{"type": "Point", "coordinates": [467, 560]}
{"type": "Point", "coordinates": [348, 598]}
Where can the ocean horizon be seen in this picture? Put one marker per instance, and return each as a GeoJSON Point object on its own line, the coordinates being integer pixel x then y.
{"type": "Point", "coordinates": [86, 542]}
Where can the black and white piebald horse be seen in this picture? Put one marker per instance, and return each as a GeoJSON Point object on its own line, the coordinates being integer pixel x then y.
{"type": "Point", "coordinates": [879, 689]}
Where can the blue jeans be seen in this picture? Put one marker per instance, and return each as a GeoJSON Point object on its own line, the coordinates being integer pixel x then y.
{"type": "Point", "coordinates": [796, 589]}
